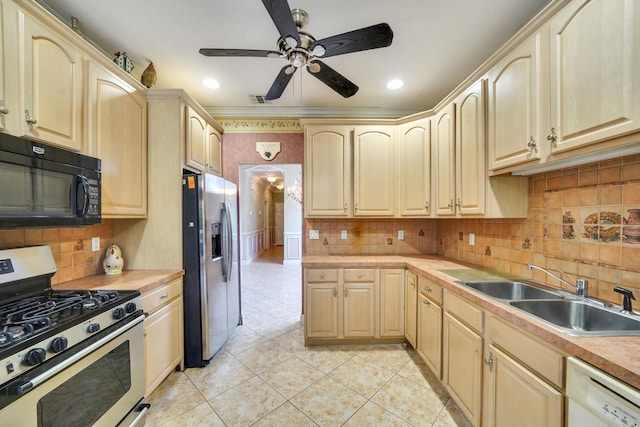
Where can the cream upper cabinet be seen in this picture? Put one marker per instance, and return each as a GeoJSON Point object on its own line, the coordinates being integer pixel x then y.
{"type": "Point", "coordinates": [374, 179]}
{"type": "Point", "coordinates": [214, 150]}
{"type": "Point", "coordinates": [444, 160]}
{"type": "Point", "coordinates": [595, 72]}
{"type": "Point", "coordinates": [515, 100]}
{"type": "Point", "coordinates": [8, 69]}
{"type": "Point", "coordinates": [196, 140]}
{"type": "Point", "coordinates": [411, 304]}
{"type": "Point", "coordinates": [50, 106]}
{"type": "Point", "coordinates": [414, 168]}
{"type": "Point", "coordinates": [327, 171]}
{"type": "Point", "coordinates": [392, 303]}
{"type": "Point", "coordinates": [471, 169]}
{"type": "Point", "coordinates": [117, 128]}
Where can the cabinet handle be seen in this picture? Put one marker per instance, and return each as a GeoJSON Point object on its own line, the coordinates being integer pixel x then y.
{"type": "Point", "coordinates": [553, 137]}
{"type": "Point", "coordinates": [426, 302]}
{"type": "Point", "coordinates": [459, 203]}
{"type": "Point", "coordinates": [345, 208]}
{"type": "Point", "coordinates": [30, 120]}
{"type": "Point", "coordinates": [428, 289]}
{"type": "Point", "coordinates": [489, 362]}
{"type": "Point", "coordinates": [164, 296]}
{"type": "Point", "coordinates": [426, 206]}
{"type": "Point", "coordinates": [3, 109]}
{"type": "Point", "coordinates": [335, 292]}
{"type": "Point", "coordinates": [356, 207]}
{"type": "Point", "coordinates": [346, 293]}
{"type": "Point", "coordinates": [413, 283]}
{"type": "Point", "coordinates": [532, 144]}
{"type": "Point", "coordinates": [322, 275]}
{"type": "Point", "coordinates": [450, 205]}
{"type": "Point", "coordinates": [359, 275]}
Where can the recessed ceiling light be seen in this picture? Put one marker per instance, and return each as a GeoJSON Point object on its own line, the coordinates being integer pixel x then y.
{"type": "Point", "coordinates": [395, 84]}
{"type": "Point", "coordinates": [211, 84]}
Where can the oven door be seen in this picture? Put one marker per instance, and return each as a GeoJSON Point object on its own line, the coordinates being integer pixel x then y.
{"type": "Point", "coordinates": [98, 385]}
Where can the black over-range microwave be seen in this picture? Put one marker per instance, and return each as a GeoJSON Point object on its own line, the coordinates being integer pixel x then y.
{"type": "Point", "coordinates": [46, 186]}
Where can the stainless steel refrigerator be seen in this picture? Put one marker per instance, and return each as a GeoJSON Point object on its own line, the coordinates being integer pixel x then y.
{"type": "Point", "coordinates": [211, 263]}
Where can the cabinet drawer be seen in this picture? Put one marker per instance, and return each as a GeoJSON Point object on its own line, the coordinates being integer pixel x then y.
{"type": "Point", "coordinates": [463, 310]}
{"type": "Point", "coordinates": [321, 275]}
{"type": "Point", "coordinates": [360, 275]}
{"type": "Point", "coordinates": [430, 289]}
{"type": "Point", "coordinates": [542, 359]}
{"type": "Point", "coordinates": [154, 299]}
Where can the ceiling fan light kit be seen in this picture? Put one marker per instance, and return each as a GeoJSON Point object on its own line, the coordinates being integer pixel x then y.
{"type": "Point", "coordinates": [301, 49]}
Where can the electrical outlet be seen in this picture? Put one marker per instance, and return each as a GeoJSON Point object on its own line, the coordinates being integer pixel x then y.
{"type": "Point", "coordinates": [95, 244]}
{"type": "Point", "coordinates": [472, 239]}
{"type": "Point", "coordinates": [400, 234]}
{"type": "Point", "coordinates": [314, 234]}
{"type": "Point", "coordinates": [343, 234]}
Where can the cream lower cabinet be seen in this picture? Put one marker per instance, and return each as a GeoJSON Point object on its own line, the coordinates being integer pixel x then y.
{"type": "Point", "coordinates": [359, 303]}
{"type": "Point", "coordinates": [392, 302]}
{"type": "Point", "coordinates": [410, 310]}
{"type": "Point", "coordinates": [462, 354]}
{"type": "Point", "coordinates": [117, 123]}
{"type": "Point", "coordinates": [429, 332]}
{"type": "Point", "coordinates": [163, 333]}
{"type": "Point", "coordinates": [523, 379]}
{"type": "Point", "coordinates": [322, 307]}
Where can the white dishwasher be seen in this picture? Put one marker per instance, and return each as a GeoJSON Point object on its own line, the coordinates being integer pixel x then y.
{"type": "Point", "coordinates": [596, 399]}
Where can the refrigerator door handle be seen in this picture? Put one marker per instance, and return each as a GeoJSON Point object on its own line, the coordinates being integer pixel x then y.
{"type": "Point", "coordinates": [229, 242]}
{"type": "Point", "coordinates": [225, 244]}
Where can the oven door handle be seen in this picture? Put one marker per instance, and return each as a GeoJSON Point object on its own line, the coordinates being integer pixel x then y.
{"type": "Point", "coordinates": [39, 379]}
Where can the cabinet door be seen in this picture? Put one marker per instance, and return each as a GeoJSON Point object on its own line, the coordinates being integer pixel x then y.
{"type": "Point", "coordinates": [410, 319]}
{"type": "Point", "coordinates": [515, 96]}
{"type": "Point", "coordinates": [327, 171]}
{"type": "Point", "coordinates": [470, 153]}
{"type": "Point", "coordinates": [163, 344]}
{"type": "Point", "coordinates": [462, 366]}
{"type": "Point", "coordinates": [196, 140]}
{"type": "Point", "coordinates": [9, 109]}
{"type": "Point", "coordinates": [117, 123]}
{"type": "Point", "coordinates": [516, 396]}
{"type": "Point", "coordinates": [392, 303]}
{"type": "Point", "coordinates": [429, 334]}
{"type": "Point", "coordinates": [595, 72]}
{"type": "Point", "coordinates": [359, 310]}
{"type": "Point", "coordinates": [321, 310]}
{"type": "Point", "coordinates": [214, 150]}
{"type": "Point", "coordinates": [444, 142]}
{"type": "Point", "coordinates": [414, 168]}
{"type": "Point", "coordinates": [51, 90]}
{"type": "Point", "coordinates": [374, 177]}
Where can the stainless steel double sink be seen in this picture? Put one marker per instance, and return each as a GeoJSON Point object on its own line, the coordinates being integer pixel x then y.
{"type": "Point", "coordinates": [564, 312]}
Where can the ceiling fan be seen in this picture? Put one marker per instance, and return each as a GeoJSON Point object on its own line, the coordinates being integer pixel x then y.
{"type": "Point", "coordinates": [301, 49]}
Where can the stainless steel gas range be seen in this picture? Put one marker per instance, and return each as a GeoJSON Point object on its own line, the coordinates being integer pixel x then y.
{"type": "Point", "coordinates": [67, 358]}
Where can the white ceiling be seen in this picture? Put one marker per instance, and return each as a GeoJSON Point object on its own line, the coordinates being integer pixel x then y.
{"type": "Point", "coordinates": [436, 45]}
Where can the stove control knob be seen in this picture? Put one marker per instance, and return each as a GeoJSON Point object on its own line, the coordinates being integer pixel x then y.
{"type": "Point", "coordinates": [59, 344]}
{"type": "Point", "coordinates": [119, 313]}
{"type": "Point", "coordinates": [93, 327]}
{"type": "Point", "coordinates": [35, 357]}
{"type": "Point", "coordinates": [130, 307]}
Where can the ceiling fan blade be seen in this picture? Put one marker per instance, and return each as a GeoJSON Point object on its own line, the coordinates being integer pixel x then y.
{"type": "Point", "coordinates": [280, 13]}
{"type": "Point", "coordinates": [372, 37]}
{"type": "Point", "coordinates": [241, 52]}
{"type": "Point", "coordinates": [332, 78]}
{"type": "Point", "coordinates": [281, 82]}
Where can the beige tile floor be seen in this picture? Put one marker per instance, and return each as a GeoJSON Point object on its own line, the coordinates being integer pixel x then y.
{"type": "Point", "coordinates": [264, 375]}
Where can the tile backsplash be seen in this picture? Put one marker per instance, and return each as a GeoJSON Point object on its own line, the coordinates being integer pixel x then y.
{"type": "Point", "coordinates": [582, 222]}
{"type": "Point", "coordinates": [71, 247]}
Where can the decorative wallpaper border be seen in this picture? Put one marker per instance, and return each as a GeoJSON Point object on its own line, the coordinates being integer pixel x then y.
{"type": "Point", "coordinates": [260, 125]}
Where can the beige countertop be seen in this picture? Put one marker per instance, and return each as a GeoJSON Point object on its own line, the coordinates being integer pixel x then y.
{"type": "Point", "coordinates": [141, 280]}
{"type": "Point", "coordinates": [619, 356]}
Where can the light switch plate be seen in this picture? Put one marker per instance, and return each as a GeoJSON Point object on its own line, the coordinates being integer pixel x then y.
{"type": "Point", "coordinates": [472, 239]}
{"type": "Point", "coordinates": [95, 244]}
{"type": "Point", "coordinates": [400, 234]}
{"type": "Point", "coordinates": [314, 234]}
{"type": "Point", "coordinates": [343, 234]}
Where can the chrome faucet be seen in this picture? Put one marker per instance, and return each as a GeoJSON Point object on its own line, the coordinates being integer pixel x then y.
{"type": "Point", "coordinates": [581, 286]}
